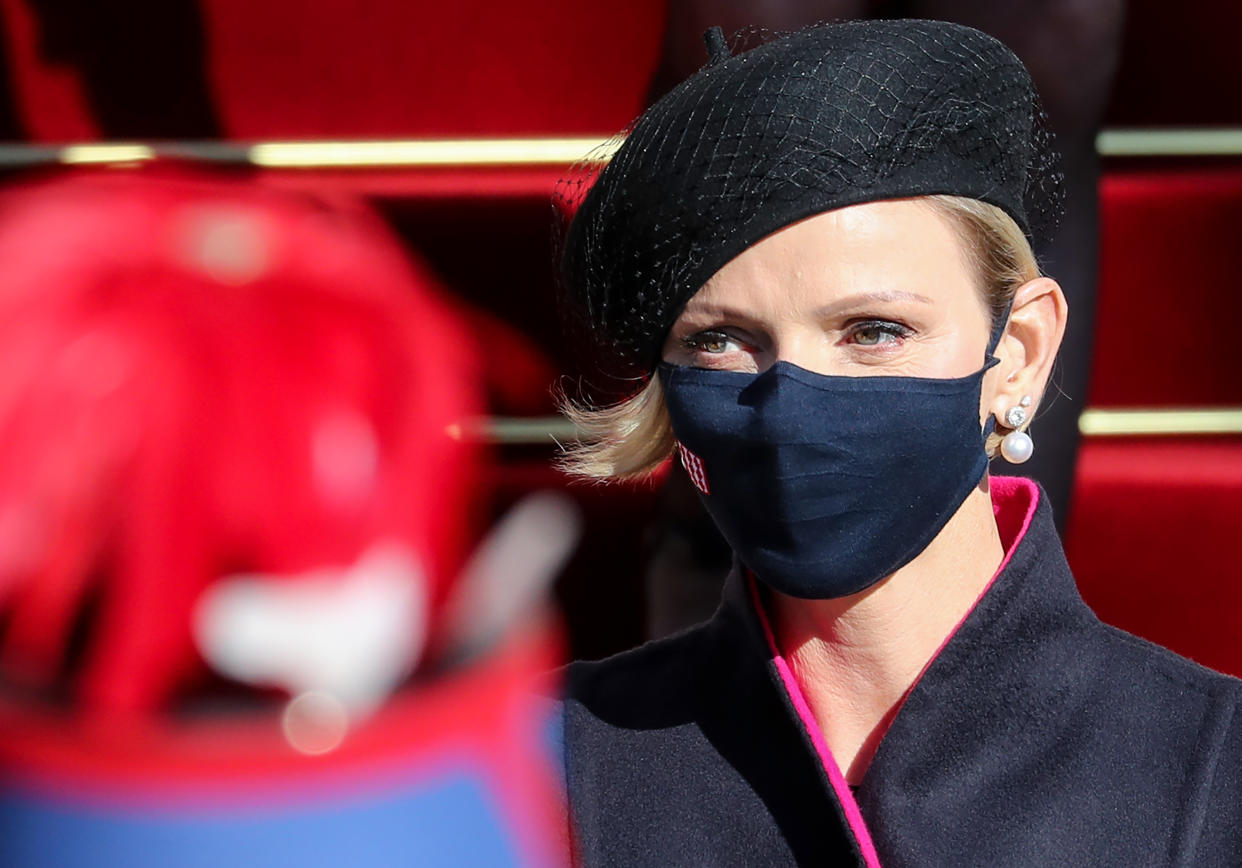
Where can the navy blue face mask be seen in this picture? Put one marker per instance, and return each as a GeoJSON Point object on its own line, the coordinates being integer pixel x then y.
{"type": "Point", "coordinates": [825, 485]}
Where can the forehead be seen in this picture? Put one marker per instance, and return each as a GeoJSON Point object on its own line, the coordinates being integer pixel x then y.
{"type": "Point", "coordinates": [892, 247]}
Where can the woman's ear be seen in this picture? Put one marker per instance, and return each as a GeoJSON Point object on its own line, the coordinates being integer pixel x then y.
{"type": "Point", "coordinates": [1029, 345]}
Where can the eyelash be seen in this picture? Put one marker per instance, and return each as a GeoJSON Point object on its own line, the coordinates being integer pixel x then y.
{"type": "Point", "coordinates": [697, 341]}
{"type": "Point", "coordinates": [888, 327]}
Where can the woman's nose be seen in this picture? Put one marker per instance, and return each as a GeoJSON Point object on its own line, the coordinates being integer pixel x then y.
{"type": "Point", "coordinates": [810, 350]}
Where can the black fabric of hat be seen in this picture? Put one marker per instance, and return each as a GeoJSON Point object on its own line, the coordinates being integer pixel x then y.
{"type": "Point", "coordinates": [833, 115]}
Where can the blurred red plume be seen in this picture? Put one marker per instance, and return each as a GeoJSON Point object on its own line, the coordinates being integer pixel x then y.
{"type": "Point", "coordinates": [199, 377]}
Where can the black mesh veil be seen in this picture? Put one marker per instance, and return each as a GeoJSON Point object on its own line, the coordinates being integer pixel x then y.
{"type": "Point", "coordinates": [833, 115]}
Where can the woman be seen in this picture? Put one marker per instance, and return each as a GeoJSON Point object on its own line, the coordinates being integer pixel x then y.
{"type": "Point", "coordinates": [819, 251]}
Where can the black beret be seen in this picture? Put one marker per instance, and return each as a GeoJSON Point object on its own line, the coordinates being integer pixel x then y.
{"type": "Point", "coordinates": [829, 116]}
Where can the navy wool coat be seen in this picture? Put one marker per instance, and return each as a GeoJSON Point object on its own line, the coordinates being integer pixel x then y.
{"type": "Point", "coordinates": [1037, 736]}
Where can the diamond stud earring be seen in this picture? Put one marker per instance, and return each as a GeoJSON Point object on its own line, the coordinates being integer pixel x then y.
{"type": "Point", "coordinates": [1017, 446]}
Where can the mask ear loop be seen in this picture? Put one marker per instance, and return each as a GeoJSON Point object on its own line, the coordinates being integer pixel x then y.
{"type": "Point", "coordinates": [998, 331]}
{"type": "Point", "coordinates": [991, 361]}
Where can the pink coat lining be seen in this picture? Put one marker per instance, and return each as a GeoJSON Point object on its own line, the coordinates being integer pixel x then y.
{"type": "Point", "coordinates": [1014, 500]}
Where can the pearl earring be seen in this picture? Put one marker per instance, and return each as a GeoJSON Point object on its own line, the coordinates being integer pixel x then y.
{"type": "Point", "coordinates": [1017, 446]}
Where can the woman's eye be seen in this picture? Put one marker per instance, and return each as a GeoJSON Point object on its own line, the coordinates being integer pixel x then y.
{"type": "Point", "coordinates": [712, 342]}
{"type": "Point", "coordinates": [872, 334]}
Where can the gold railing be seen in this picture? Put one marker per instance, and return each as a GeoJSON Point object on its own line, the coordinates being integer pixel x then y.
{"type": "Point", "coordinates": [1190, 421]}
{"type": "Point", "coordinates": [503, 152]}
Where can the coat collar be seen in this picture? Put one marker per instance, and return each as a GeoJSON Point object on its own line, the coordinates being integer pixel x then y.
{"type": "Point", "coordinates": [1019, 616]}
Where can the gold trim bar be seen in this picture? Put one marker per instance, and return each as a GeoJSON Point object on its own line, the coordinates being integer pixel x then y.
{"type": "Point", "coordinates": [106, 154]}
{"type": "Point", "coordinates": [429, 153]}
{"type": "Point", "coordinates": [461, 153]}
{"type": "Point", "coordinates": [1180, 422]}
{"type": "Point", "coordinates": [1170, 142]}
{"type": "Point", "coordinates": [516, 431]}
{"type": "Point", "coordinates": [549, 430]}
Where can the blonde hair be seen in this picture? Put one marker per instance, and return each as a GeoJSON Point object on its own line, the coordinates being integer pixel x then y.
{"type": "Point", "coordinates": [629, 440]}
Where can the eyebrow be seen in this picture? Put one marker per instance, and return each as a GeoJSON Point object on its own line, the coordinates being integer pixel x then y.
{"type": "Point", "coordinates": [706, 311]}
{"type": "Point", "coordinates": [864, 298]}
